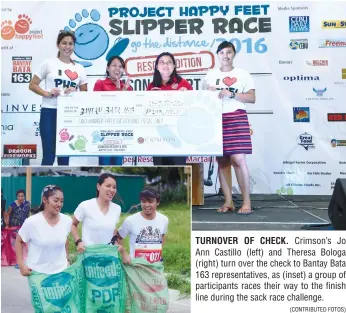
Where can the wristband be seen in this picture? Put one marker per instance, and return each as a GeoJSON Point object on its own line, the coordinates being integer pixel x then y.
{"type": "Point", "coordinates": [78, 241]}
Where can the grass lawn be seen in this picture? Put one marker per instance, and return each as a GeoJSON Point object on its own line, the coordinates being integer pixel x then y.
{"type": "Point", "coordinates": [176, 251]}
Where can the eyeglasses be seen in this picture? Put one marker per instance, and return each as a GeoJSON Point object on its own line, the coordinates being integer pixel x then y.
{"type": "Point", "coordinates": [169, 63]}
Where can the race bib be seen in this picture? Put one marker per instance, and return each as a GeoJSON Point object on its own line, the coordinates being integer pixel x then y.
{"type": "Point", "coordinates": [152, 253]}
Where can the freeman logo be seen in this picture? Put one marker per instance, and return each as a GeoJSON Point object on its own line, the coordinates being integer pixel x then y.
{"type": "Point", "coordinates": [333, 24]}
{"type": "Point", "coordinates": [301, 78]}
{"type": "Point", "coordinates": [306, 141]}
{"type": "Point", "coordinates": [299, 24]}
{"type": "Point", "coordinates": [333, 43]}
{"type": "Point", "coordinates": [298, 44]}
{"type": "Point", "coordinates": [301, 115]}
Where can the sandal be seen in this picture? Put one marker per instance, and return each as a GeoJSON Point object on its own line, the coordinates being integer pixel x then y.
{"type": "Point", "coordinates": [244, 212]}
{"type": "Point", "coordinates": [228, 209]}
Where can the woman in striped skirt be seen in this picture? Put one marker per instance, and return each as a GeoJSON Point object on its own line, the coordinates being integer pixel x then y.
{"type": "Point", "coordinates": [235, 87]}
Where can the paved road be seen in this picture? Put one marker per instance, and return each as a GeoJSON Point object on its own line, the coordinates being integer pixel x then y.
{"type": "Point", "coordinates": [15, 295]}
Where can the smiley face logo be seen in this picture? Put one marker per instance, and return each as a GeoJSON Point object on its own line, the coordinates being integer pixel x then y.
{"type": "Point", "coordinates": [23, 24]}
{"type": "Point", "coordinates": [7, 30]}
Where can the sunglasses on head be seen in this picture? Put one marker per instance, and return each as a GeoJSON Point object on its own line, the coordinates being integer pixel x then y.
{"type": "Point", "coordinates": [47, 189]}
{"type": "Point", "coordinates": [67, 32]}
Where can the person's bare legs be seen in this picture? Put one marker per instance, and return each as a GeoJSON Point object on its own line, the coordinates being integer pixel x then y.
{"type": "Point", "coordinates": [225, 177]}
{"type": "Point", "coordinates": [243, 177]}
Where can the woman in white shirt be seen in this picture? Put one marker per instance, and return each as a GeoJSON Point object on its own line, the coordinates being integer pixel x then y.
{"type": "Point", "coordinates": [45, 234]}
{"type": "Point", "coordinates": [99, 216]}
{"type": "Point", "coordinates": [235, 87]}
{"type": "Point", "coordinates": [61, 76]}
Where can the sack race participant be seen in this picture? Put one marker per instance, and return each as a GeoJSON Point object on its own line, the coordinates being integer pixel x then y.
{"type": "Point", "coordinates": [97, 283]}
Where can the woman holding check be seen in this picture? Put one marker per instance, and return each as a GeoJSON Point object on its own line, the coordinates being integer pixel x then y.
{"type": "Point", "coordinates": [61, 76]}
{"type": "Point", "coordinates": [166, 78]}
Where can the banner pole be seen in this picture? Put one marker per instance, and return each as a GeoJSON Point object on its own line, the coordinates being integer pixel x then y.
{"type": "Point", "coordinates": [28, 183]}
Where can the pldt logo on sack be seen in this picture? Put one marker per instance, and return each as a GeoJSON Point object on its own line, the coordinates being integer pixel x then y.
{"type": "Point", "coordinates": [57, 289]}
{"type": "Point", "coordinates": [299, 24]}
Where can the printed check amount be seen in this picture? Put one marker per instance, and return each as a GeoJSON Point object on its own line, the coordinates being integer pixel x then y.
{"type": "Point", "coordinates": [171, 123]}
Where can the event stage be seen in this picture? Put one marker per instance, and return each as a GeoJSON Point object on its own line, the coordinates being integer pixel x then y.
{"type": "Point", "coordinates": [271, 212]}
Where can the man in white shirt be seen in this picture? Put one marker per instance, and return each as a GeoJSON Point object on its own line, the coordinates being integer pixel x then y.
{"type": "Point", "coordinates": [147, 229]}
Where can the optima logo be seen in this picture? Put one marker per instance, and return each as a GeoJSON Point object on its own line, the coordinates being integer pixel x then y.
{"type": "Point", "coordinates": [57, 289]}
{"type": "Point", "coordinates": [102, 270]}
{"type": "Point", "coordinates": [301, 78]}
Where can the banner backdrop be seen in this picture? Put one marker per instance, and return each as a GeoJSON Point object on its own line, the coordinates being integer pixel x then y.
{"type": "Point", "coordinates": [294, 51]}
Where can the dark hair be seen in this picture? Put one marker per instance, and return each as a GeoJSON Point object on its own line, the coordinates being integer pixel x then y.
{"type": "Point", "coordinates": [149, 193]}
{"type": "Point", "coordinates": [225, 44]}
{"type": "Point", "coordinates": [157, 79]}
{"type": "Point", "coordinates": [101, 180]}
{"type": "Point", "coordinates": [47, 192]}
{"type": "Point", "coordinates": [112, 59]}
{"type": "Point", "coordinates": [62, 35]}
{"type": "Point", "coordinates": [19, 191]}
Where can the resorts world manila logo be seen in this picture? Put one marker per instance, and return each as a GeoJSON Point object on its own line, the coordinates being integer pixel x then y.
{"type": "Point", "coordinates": [20, 29]}
{"type": "Point", "coordinates": [342, 81]}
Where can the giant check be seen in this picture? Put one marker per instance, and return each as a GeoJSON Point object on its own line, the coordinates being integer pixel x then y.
{"type": "Point", "coordinates": [143, 123]}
